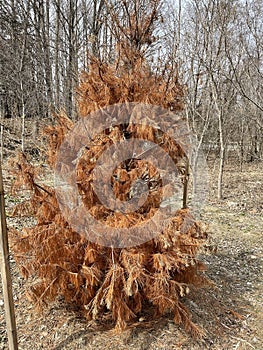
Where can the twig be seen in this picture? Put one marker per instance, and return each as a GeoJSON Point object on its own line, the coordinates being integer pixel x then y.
{"type": "Point", "coordinates": [43, 189]}
{"type": "Point", "coordinates": [243, 340]}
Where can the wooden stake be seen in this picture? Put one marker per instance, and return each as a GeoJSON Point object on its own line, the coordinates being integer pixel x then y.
{"type": "Point", "coordinates": [6, 275]}
{"type": "Point", "coordinates": [185, 183]}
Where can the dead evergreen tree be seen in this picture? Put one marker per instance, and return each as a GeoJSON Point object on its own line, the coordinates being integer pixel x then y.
{"type": "Point", "coordinates": [98, 279]}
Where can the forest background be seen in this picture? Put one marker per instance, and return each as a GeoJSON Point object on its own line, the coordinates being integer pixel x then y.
{"type": "Point", "coordinates": [216, 46]}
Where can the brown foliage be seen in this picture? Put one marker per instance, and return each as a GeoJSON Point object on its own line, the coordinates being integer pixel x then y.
{"type": "Point", "coordinates": [94, 277]}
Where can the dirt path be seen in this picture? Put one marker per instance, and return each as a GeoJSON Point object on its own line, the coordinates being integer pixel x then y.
{"type": "Point", "coordinates": [230, 313]}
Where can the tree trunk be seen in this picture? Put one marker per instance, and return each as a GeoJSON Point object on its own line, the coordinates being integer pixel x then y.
{"type": "Point", "coordinates": [57, 50]}
{"type": "Point", "coordinates": [222, 156]}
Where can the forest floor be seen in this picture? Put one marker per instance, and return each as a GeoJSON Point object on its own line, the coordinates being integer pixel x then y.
{"type": "Point", "coordinates": [230, 313]}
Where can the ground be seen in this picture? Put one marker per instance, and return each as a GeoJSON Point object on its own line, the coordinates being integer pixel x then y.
{"type": "Point", "coordinates": [230, 313]}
